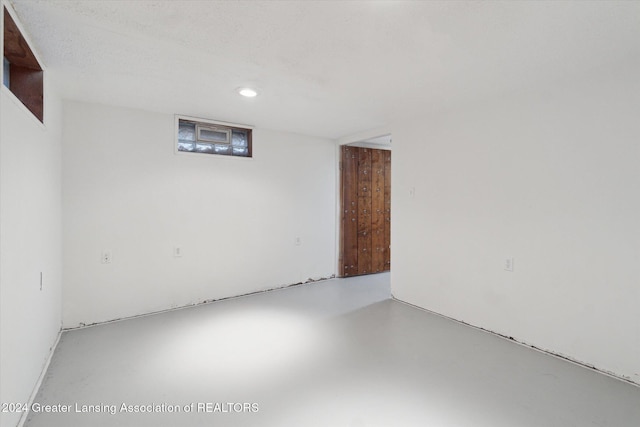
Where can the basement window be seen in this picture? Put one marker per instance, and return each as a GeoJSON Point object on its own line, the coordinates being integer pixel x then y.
{"type": "Point", "coordinates": [209, 137]}
{"type": "Point", "coordinates": [22, 72]}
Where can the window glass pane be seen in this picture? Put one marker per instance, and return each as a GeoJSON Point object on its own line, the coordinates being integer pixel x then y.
{"type": "Point", "coordinates": [240, 151]}
{"type": "Point", "coordinates": [223, 149]}
{"type": "Point", "coordinates": [6, 67]}
{"type": "Point", "coordinates": [204, 148]}
{"type": "Point", "coordinates": [186, 146]}
{"type": "Point", "coordinates": [187, 131]}
{"type": "Point", "coordinates": [239, 139]}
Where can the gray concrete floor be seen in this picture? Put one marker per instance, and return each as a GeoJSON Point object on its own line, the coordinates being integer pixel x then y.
{"type": "Point", "coordinates": [334, 353]}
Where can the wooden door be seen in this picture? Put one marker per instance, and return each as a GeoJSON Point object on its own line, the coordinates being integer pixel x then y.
{"type": "Point", "coordinates": [365, 226]}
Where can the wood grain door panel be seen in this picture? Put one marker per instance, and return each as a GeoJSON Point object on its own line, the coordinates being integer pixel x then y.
{"type": "Point", "coordinates": [366, 211]}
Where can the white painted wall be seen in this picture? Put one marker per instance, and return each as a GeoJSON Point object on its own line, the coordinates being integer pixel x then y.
{"type": "Point", "coordinates": [124, 189]}
{"type": "Point", "coordinates": [30, 243]}
{"type": "Point", "coordinates": [550, 177]}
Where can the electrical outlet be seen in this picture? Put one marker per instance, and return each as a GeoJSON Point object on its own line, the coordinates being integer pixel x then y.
{"type": "Point", "coordinates": [298, 241]}
{"type": "Point", "coordinates": [106, 256]}
{"type": "Point", "coordinates": [177, 251]}
{"type": "Point", "coordinates": [508, 264]}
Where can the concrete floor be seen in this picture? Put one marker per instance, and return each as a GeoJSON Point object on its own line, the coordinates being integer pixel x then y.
{"type": "Point", "coordinates": [334, 353]}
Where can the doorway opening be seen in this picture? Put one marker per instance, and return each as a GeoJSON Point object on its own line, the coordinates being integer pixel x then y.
{"type": "Point", "coordinates": [365, 207]}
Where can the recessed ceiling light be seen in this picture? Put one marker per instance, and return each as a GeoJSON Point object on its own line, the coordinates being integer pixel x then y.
{"type": "Point", "coordinates": [247, 91]}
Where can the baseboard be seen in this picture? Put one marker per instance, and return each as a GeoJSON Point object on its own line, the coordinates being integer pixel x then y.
{"type": "Point", "coordinates": [36, 388]}
{"type": "Point", "coordinates": [530, 346]}
{"type": "Point", "coordinates": [182, 307]}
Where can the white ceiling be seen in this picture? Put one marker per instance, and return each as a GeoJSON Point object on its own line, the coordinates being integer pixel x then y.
{"type": "Point", "coordinates": [325, 68]}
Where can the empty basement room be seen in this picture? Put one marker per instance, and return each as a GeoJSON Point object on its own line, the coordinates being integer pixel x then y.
{"type": "Point", "coordinates": [320, 213]}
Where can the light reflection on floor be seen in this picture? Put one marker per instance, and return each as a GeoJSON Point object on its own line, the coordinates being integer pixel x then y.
{"type": "Point", "coordinates": [334, 353]}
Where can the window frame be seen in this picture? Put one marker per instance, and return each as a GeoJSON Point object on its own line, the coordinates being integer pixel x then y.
{"type": "Point", "coordinates": [210, 122]}
{"type": "Point", "coordinates": [26, 72]}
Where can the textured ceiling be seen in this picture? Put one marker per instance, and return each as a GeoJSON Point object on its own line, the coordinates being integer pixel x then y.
{"type": "Point", "coordinates": [322, 68]}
